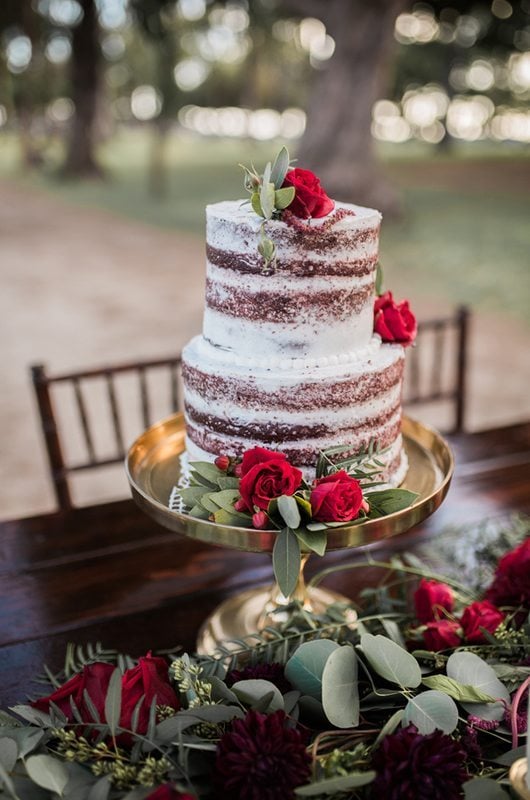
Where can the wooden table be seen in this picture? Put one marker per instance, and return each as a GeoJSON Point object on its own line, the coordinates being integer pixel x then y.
{"type": "Point", "coordinates": [107, 573]}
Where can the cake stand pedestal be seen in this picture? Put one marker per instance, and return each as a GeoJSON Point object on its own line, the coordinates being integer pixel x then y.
{"type": "Point", "coordinates": [153, 469]}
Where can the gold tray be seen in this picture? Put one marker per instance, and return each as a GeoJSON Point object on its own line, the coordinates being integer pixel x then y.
{"type": "Point", "coordinates": [153, 469]}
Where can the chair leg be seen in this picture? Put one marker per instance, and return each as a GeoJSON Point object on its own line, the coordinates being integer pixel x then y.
{"type": "Point", "coordinates": [463, 335]}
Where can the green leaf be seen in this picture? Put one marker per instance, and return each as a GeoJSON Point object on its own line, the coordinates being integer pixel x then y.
{"type": "Point", "coordinates": [228, 482]}
{"type": "Point", "coordinates": [199, 512]}
{"type": "Point", "coordinates": [340, 692]}
{"type": "Point", "coordinates": [47, 772]}
{"type": "Point", "coordinates": [389, 501]}
{"type": "Point", "coordinates": [266, 197]}
{"type": "Point", "coordinates": [304, 505]}
{"type": "Point", "coordinates": [389, 727]}
{"type": "Point", "coordinates": [469, 669]}
{"type": "Point", "coordinates": [101, 789]}
{"type": "Point", "coordinates": [286, 561]}
{"type": "Point", "coordinates": [193, 494]}
{"type": "Point", "coordinates": [313, 540]}
{"type": "Point", "coordinates": [113, 702]}
{"type": "Point", "coordinates": [284, 197]}
{"type": "Point", "coordinates": [305, 667]}
{"type": "Point", "coordinates": [484, 789]}
{"type": "Point", "coordinates": [431, 710]}
{"type": "Point", "coordinates": [251, 693]}
{"type": "Point", "coordinates": [507, 759]}
{"type": "Point", "coordinates": [288, 509]}
{"type": "Point", "coordinates": [379, 280]}
{"type": "Point", "coordinates": [256, 205]}
{"type": "Point", "coordinates": [233, 518]}
{"type": "Point", "coordinates": [225, 498]}
{"type": "Point", "coordinates": [208, 504]}
{"type": "Point", "coordinates": [279, 168]}
{"type": "Point", "coordinates": [7, 784]}
{"type": "Point", "coordinates": [8, 753]}
{"type": "Point", "coordinates": [316, 526]}
{"type": "Point", "coordinates": [459, 691]}
{"type": "Point", "coordinates": [390, 661]}
{"type": "Point", "coordinates": [207, 472]}
{"type": "Point", "coordinates": [342, 783]}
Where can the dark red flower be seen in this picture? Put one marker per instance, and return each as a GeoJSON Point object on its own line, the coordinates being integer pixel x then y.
{"type": "Point", "coordinates": [148, 680]}
{"type": "Point", "coordinates": [394, 322]}
{"type": "Point", "coordinates": [410, 766]}
{"type": "Point", "coordinates": [310, 199]}
{"type": "Point", "coordinates": [94, 680]}
{"type": "Point", "coordinates": [511, 584]}
{"type": "Point", "coordinates": [265, 476]}
{"type": "Point", "coordinates": [260, 758]}
{"type": "Point", "coordinates": [442, 634]}
{"type": "Point", "coordinates": [168, 792]}
{"type": "Point", "coordinates": [268, 672]}
{"type": "Point", "coordinates": [336, 498]}
{"type": "Point", "coordinates": [430, 598]}
{"type": "Point", "coordinates": [481, 614]}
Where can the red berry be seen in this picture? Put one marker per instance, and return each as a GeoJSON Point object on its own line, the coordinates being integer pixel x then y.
{"type": "Point", "coordinates": [240, 505]}
{"type": "Point", "coordinates": [222, 462]}
{"type": "Point", "coordinates": [260, 520]}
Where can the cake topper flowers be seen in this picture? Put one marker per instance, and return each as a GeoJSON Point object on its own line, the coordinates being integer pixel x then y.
{"type": "Point", "coordinates": [394, 322]}
{"type": "Point", "coordinates": [283, 187]}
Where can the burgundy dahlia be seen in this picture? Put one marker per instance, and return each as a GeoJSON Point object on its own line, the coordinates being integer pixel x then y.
{"type": "Point", "coordinates": [267, 672]}
{"type": "Point", "coordinates": [260, 758]}
{"type": "Point", "coordinates": [410, 766]}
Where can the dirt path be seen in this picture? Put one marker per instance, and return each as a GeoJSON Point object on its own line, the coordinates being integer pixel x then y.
{"type": "Point", "coordinates": [84, 287]}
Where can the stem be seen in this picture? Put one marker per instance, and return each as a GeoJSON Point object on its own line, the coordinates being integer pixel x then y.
{"type": "Point", "coordinates": [515, 707]}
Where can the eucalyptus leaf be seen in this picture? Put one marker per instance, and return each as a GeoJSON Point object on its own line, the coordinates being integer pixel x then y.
{"type": "Point", "coordinates": [389, 727]}
{"type": "Point", "coordinates": [459, 691]}
{"type": "Point", "coordinates": [305, 667]}
{"type": "Point", "coordinates": [113, 702]}
{"type": "Point", "coordinates": [507, 759]}
{"type": "Point", "coordinates": [101, 789]}
{"type": "Point", "coordinates": [199, 512]}
{"type": "Point", "coordinates": [251, 692]}
{"type": "Point", "coordinates": [256, 204]}
{"type": "Point", "coordinates": [7, 783]}
{"type": "Point", "coordinates": [27, 738]}
{"type": "Point", "coordinates": [313, 540]}
{"type": "Point", "coordinates": [379, 280]}
{"type": "Point", "coordinates": [235, 519]}
{"type": "Point", "coordinates": [192, 494]}
{"type": "Point", "coordinates": [288, 509]}
{"type": "Point", "coordinates": [343, 783]}
{"type": "Point", "coordinates": [431, 710]}
{"type": "Point", "coordinates": [279, 168]}
{"type": "Point", "coordinates": [389, 501]}
{"type": "Point", "coordinates": [220, 691]}
{"type": "Point", "coordinates": [316, 526]}
{"type": "Point", "coordinates": [8, 753]}
{"type": "Point", "coordinates": [228, 482]}
{"type": "Point", "coordinates": [286, 561]}
{"type": "Point", "coordinates": [266, 196]}
{"type": "Point", "coordinates": [48, 772]}
{"type": "Point", "coordinates": [208, 472]}
{"type": "Point", "coordinates": [284, 197]}
{"type": "Point", "coordinates": [484, 789]}
{"type": "Point", "coordinates": [390, 661]}
{"type": "Point", "coordinates": [225, 498]}
{"type": "Point", "coordinates": [468, 668]}
{"type": "Point", "coordinates": [33, 715]}
{"type": "Point", "coordinates": [340, 692]}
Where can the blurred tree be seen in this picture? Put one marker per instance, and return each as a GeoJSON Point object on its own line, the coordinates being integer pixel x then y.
{"type": "Point", "coordinates": [337, 143]}
{"type": "Point", "coordinates": [84, 71]}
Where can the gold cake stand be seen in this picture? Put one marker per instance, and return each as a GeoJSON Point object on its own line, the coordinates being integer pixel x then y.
{"type": "Point", "coordinates": [153, 469]}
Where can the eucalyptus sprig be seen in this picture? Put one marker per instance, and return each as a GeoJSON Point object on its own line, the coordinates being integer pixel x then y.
{"type": "Point", "coordinates": [268, 199]}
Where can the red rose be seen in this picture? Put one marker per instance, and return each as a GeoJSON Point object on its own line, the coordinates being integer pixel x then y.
{"type": "Point", "coordinates": [511, 584]}
{"type": "Point", "coordinates": [394, 322]}
{"type": "Point", "coordinates": [94, 680]}
{"type": "Point", "coordinates": [168, 792]}
{"type": "Point", "coordinates": [266, 475]}
{"type": "Point", "coordinates": [149, 679]}
{"type": "Point", "coordinates": [442, 634]}
{"type": "Point", "coordinates": [336, 498]}
{"type": "Point", "coordinates": [430, 598]}
{"type": "Point", "coordinates": [310, 199]}
{"type": "Point", "coordinates": [479, 615]}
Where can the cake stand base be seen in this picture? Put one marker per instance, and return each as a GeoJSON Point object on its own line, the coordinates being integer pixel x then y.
{"type": "Point", "coordinates": [251, 611]}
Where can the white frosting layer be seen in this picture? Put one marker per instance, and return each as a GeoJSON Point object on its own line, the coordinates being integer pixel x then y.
{"type": "Point", "coordinates": [287, 314]}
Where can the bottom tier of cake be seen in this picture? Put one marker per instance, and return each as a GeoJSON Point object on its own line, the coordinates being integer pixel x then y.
{"type": "Point", "coordinates": [298, 406]}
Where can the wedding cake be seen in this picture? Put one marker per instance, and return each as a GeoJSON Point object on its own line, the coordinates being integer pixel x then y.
{"type": "Point", "coordinates": [288, 358]}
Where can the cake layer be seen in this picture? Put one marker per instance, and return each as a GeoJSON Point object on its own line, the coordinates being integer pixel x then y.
{"type": "Point", "coordinates": [299, 408]}
{"type": "Point", "coordinates": [317, 302]}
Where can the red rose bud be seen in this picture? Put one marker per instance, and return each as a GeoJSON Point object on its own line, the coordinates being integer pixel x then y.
{"type": "Point", "coordinates": [336, 498]}
{"type": "Point", "coordinates": [431, 598]}
{"type": "Point", "coordinates": [240, 505]}
{"type": "Point", "coordinates": [394, 322]}
{"type": "Point", "coordinates": [442, 634]}
{"type": "Point", "coordinates": [265, 476]}
{"type": "Point", "coordinates": [479, 615]}
{"type": "Point", "coordinates": [222, 462]}
{"type": "Point", "coordinates": [260, 520]}
{"type": "Point", "coordinates": [365, 506]}
{"type": "Point", "coordinates": [310, 199]}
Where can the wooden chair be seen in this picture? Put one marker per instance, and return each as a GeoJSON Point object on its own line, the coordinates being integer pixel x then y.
{"type": "Point", "coordinates": [435, 373]}
{"type": "Point", "coordinates": [112, 409]}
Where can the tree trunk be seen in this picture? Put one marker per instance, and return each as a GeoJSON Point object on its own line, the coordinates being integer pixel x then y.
{"type": "Point", "coordinates": [80, 158]}
{"type": "Point", "coordinates": [338, 143]}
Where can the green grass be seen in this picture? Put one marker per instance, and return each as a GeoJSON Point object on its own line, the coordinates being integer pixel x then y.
{"type": "Point", "coordinates": [464, 235]}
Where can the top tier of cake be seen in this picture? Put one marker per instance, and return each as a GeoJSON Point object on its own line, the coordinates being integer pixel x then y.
{"type": "Point", "coordinates": [317, 303]}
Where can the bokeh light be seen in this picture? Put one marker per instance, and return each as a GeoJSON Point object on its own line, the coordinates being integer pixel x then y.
{"type": "Point", "coordinates": [146, 103]}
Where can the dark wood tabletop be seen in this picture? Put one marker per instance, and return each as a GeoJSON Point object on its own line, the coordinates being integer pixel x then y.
{"type": "Point", "coordinates": [108, 573]}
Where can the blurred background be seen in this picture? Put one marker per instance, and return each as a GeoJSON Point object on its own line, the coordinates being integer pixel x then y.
{"type": "Point", "coordinates": [121, 119]}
